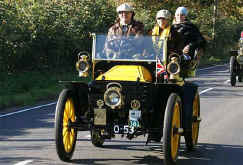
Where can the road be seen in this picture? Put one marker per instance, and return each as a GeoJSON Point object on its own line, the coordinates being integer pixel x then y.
{"type": "Point", "coordinates": [27, 137]}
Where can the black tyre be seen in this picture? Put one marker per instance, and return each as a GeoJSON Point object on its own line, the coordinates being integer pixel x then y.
{"type": "Point", "coordinates": [96, 138]}
{"type": "Point", "coordinates": [191, 138]}
{"type": "Point", "coordinates": [232, 70]}
{"type": "Point", "coordinates": [65, 136]}
{"type": "Point", "coordinates": [172, 125]}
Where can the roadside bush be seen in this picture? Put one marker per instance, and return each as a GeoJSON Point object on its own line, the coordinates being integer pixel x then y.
{"type": "Point", "coordinates": [43, 35]}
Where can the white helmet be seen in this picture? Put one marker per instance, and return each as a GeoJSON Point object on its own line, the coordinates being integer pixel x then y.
{"type": "Point", "coordinates": [124, 7]}
{"type": "Point", "coordinates": [181, 10]}
{"type": "Point", "coordinates": [163, 14]}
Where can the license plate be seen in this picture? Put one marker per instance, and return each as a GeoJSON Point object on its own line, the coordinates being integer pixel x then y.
{"type": "Point", "coordinates": [122, 129]}
{"type": "Point", "coordinates": [134, 116]}
{"type": "Point", "coordinates": [134, 123]}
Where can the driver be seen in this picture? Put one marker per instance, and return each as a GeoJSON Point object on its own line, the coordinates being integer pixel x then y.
{"type": "Point", "coordinates": [125, 27]}
{"type": "Point", "coordinates": [125, 23]}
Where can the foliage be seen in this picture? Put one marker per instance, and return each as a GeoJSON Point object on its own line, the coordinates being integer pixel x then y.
{"type": "Point", "coordinates": [47, 34]}
{"type": "Point", "coordinates": [228, 25]}
{"type": "Point", "coordinates": [44, 36]}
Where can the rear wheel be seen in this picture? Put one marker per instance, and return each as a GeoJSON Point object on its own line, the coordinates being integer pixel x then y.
{"type": "Point", "coordinates": [232, 70]}
{"type": "Point", "coordinates": [65, 136]}
{"type": "Point", "coordinates": [191, 138]}
{"type": "Point", "coordinates": [172, 129]}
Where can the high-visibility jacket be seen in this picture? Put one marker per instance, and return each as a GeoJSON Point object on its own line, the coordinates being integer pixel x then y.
{"type": "Point", "coordinates": [158, 36]}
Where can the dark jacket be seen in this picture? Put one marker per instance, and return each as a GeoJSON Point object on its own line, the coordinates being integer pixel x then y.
{"type": "Point", "coordinates": [135, 28]}
{"type": "Point", "coordinates": [191, 35]}
{"type": "Point", "coordinates": [175, 42]}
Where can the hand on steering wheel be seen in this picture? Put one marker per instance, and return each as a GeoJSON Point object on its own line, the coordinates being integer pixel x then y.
{"type": "Point", "coordinates": [118, 46]}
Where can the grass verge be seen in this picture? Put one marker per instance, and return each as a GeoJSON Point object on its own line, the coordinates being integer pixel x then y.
{"type": "Point", "coordinates": [29, 88]}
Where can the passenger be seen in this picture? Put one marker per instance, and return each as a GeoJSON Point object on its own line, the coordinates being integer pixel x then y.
{"type": "Point", "coordinates": [163, 29]}
{"type": "Point", "coordinates": [125, 25]}
{"type": "Point", "coordinates": [193, 40]}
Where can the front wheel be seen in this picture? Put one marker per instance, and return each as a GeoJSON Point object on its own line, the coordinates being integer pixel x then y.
{"type": "Point", "coordinates": [191, 138]}
{"type": "Point", "coordinates": [65, 136]}
{"type": "Point", "coordinates": [172, 129]}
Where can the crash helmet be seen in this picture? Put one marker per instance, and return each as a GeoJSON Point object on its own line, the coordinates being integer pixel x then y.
{"type": "Point", "coordinates": [181, 10]}
{"type": "Point", "coordinates": [163, 14]}
{"type": "Point", "coordinates": [124, 7]}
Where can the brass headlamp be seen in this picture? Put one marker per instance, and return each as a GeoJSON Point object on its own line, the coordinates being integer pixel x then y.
{"type": "Point", "coordinates": [174, 68]}
{"type": "Point", "coordinates": [82, 65]}
{"type": "Point", "coordinates": [113, 96]}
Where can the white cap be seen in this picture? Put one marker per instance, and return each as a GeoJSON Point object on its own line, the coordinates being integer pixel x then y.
{"type": "Point", "coordinates": [124, 7]}
{"type": "Point", "coordinates": [163, 14]}
{"type": "Point", "coordinates": [181, 10]}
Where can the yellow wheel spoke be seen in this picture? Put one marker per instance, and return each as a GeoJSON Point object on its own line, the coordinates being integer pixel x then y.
{"type": "Point", "coordinates": [68, 134]}
{"type": "Point", "coordinates": [68, 108]}
{"type": "Point", "coordinates": [175, 125]}
{"type": "Point", "coordinates": [195, 125]}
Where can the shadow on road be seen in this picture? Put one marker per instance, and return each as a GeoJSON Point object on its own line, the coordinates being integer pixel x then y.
{"type": "Point", "coordinates": [19, 124]}
{"type": "Point", "coordinates": [205, 154]}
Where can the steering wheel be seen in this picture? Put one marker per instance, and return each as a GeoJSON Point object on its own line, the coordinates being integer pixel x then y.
{"type": "Point", "coordinates": [118, 47]}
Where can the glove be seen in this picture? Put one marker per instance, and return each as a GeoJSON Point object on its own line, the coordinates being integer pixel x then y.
{"type": "Point", "coordinates": [186, 57]}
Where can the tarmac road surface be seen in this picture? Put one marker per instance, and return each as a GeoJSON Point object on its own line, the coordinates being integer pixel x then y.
{"type": "Point", "coordinates": [27, 135]}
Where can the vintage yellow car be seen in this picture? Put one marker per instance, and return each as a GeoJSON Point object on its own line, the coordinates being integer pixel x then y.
{"type": "Point", "coordinates": [136, 89]}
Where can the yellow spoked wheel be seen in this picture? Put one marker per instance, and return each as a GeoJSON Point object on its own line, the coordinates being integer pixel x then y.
{"type": "Point", "coordinates": [66, 136]}
{"type": "Point", "coordinates": [191, 138]}
{"type": "Point", "coordinates": [196, 120]}
{"type": "Point", "coordinates": [172, 129]}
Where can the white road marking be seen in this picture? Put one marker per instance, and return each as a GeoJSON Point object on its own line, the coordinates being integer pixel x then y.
{"type": "Point", "coordinates": [24, 110]}
{"type": "Point", "coordinates": [210, 67]}
{"type": "Point", "coordinates": [206, 90]}
{"type": "Point", "coordinates": [24, 162]}
{"type": "Point", "coordinates": [227, 82]}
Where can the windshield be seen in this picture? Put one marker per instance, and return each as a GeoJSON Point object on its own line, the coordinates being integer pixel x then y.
{"type": "Point", "coordinates": [124, 48]}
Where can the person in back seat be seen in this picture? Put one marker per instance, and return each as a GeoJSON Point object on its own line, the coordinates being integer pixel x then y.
{"type": "Point", "coordinates": [193, 39]}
